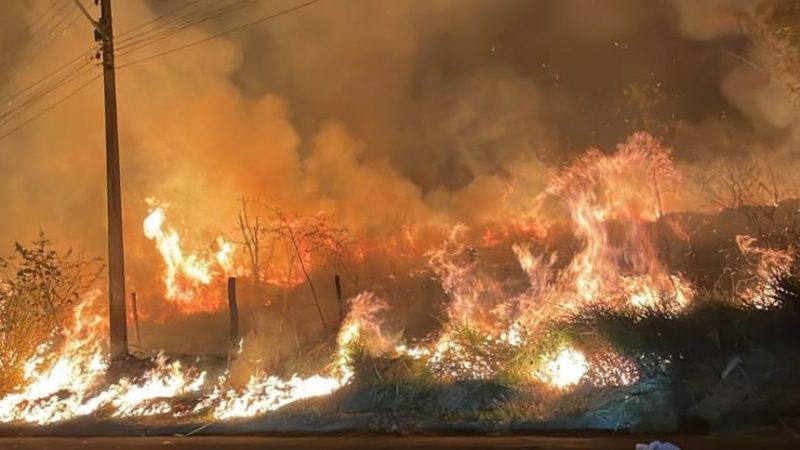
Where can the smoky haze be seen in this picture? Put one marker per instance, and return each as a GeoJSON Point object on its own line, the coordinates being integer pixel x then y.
{"type": "Point", "coordinates": [380, 112]}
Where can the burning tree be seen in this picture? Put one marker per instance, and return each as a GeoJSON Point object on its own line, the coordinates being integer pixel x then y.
{"type": "Point", "coordinates": [297, 244]}
{"type": "Point", "coordinates": [251, 239]}
{"type": "Point", "coordinates": [38, 288]}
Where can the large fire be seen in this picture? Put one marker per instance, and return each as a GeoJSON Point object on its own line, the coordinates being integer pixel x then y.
{"type": "Point", "coordinates": [187, 276]}
{"type": "Point", "coordinates": [611, 204]}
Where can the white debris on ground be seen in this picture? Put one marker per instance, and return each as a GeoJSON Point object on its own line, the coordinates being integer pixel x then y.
{"type": "Point", "coordinates": [657, 445]}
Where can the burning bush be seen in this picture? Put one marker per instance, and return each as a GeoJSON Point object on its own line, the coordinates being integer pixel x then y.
{"type": "Point", "coordinates": [38, 288]}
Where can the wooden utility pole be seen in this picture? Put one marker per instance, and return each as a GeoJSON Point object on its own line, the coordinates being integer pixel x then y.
{"type": "Point", "coordinates": [116, 256]}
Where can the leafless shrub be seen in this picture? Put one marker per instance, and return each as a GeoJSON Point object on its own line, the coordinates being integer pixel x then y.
{"type": "Point", "coordinates": [732, 183]}
{"type": "Point", "coordinates": [296, 245]}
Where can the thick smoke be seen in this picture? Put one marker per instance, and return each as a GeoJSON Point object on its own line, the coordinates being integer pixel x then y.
{"type": "Point", "coordinates": [379, 112]}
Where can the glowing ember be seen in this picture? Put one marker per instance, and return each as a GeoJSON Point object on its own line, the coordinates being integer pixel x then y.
{"type": "Point", "coordinates": [609, 368]}
{"type": "Point", "coordinates": [567, 368]}
{"type": "Point", "coordinates": [758, 288]}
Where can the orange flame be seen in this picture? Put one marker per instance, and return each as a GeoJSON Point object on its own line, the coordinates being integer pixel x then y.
{"type": "Point", "coordinates": [612, 203]}
{"type": "Point", "coordinates": [188, 278]}
{"type": "Point", "coordinates": [770, 265]}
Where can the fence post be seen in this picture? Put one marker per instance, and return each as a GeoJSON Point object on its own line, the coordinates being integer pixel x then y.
{"type": "Point", "coordinates": [338, 283]}
{"type": "Point", "coordinates": [234, 314]}
{"type": "Point", "coordinates": [135, 309]}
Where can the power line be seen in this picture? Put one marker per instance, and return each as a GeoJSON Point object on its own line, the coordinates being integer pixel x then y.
{"type": "Point", "coordinates": [79, 72]}
{"type": "Point", "coordinates": [44, 111]}
{"type": "Point", "coordinates": [157, 19]}
{"type": "Point", "coordinates": [63, 11]}
{"type": "Point", "coordinates": [136, 42]}
{"type": "Point", "coordinates": [185, 17]}
{"type": "Point", "coordinates": [36, 22]}
{"type": "Point", "coordinates": [39, 46]}
{"type": "Point", "coordinates": [8, 115]}
{"type": "Point", "coordinates": [13, 106]}
{"type": "Point", "coordinates": [85, 55]}
{"type": "Point", "coordinates": [59, 28]}
{"type": "Point", "coordinates": [222, 33]}
{"type": "Point", "coordinates": [52, 31]}
{"type": "Point", "coordinates": [24, 99]}
{"type": "Point", "coordinates": [31, 27]}
{"type": "Point", "coordinates": [33, 34]}
{"type": "Point", "coordinates": [60, 10]}
{"type": "Point", "coordinates": [186, 21]}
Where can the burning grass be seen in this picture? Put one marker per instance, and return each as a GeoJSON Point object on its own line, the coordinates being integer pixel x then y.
{"type": "Point", "coordinates": [606, 333]}
{"type": "Point", "coordinates": [712, 364]}
{"type": "Point", "coordinates": [627, 368]}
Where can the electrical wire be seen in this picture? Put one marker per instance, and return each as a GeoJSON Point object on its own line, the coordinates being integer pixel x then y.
{"type": "Point", "coordinates": [36, 43]}
{"type": "Point", "coordinates": [137, 42]}
{"type": "Point", "coordinates": [9, 115]}
{"type": "Point", "coordinates": [57, 30]}
{"type": "Point", "coordinates": [44, 89]}
{"type": "Point", "coordinates": [156, 20]}
{"type": "Point", "coordinates": [24, 99]}
{"type": "Point", "coordinates": [80, 71]}
{"type": "Point", "coordinates": [219, 34]}
{"type": "Point", "coordinates": [86, 55]}
{"type": "Point", "coordinates": [47, 109]}
{"type": "Point", "coordinates": [162, 25]}
{"type": "Point", "coordinates": [31, 30]}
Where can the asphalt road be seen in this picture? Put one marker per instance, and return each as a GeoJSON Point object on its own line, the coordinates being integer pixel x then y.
{"type": "Point", "coordinates": [386, 443]}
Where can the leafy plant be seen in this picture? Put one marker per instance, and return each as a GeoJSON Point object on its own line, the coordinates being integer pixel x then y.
{"type": "Point", "coordinates": [38, 288]}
